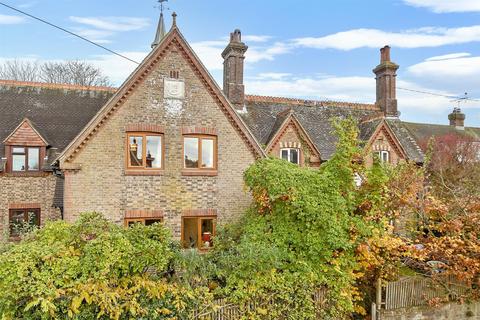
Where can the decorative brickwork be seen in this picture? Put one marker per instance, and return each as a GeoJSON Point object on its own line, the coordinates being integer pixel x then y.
{"type": "Point", "coordinates": [200, 213]}
{"type": "Point", "coordinates": [100, 183]}
{"type": "Point", "coordinates": [384, 140]}
{"type": "Point", "coordinates": [144, 127]}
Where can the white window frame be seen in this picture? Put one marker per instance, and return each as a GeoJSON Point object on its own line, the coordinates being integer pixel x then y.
{"type": "Point", "coordinates": [288, 152]}
{"type": "Point", "coordinates": [380, 155]}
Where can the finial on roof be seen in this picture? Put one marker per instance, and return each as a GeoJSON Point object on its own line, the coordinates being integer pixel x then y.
{"type": "Point", "coordinates": [160, 32]}
{"type": "Point", "coordinates": [174, 16]}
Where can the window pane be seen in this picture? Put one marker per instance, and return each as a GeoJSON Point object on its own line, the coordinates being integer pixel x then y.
{"type": "Point", "coordinates": [18, 150]}
{"type": "Point", "coordinates": [135, 145]}
{"type": "Point", "coordinates": [149, 222]}
{"type": "Point", "coordinates": [16, 221]}
{"type": "Point", "coordinates": [18, 162]}
{"type": "Point", "coordinates": [190, 232]}
{"type": "Point", "coordinates": [191, 152]}
{"type": "Point", "coordinates": [207, 233]}
{"type": "Point", "coordinates": [207, 153]}
{"type": "Point", "coordinates": [154, 152]}
{"type": "Point", "coordinates": [294, 156]}
{"type": "Point", "coordinates": [33, 218]}
{"type": "Point", "coordinates": [384, 156]}
{"type": "Point", "coordinates": [285, 154]}
{"type": "Point", "coordinates": [33, 158]}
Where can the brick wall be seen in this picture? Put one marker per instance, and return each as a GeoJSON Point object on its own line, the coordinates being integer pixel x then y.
{"type": "Point", "coordinates": [102, 185]}
{"type": "Point", "coordinates": [383, 142]}
{"type": "Point", "coordinates": [17, 192]}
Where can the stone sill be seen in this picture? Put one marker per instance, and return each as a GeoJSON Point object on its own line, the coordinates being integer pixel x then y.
{"type": "Point", "coordinates": [130, 172]}
{"type": "Point", "coordinates": [199, 172]}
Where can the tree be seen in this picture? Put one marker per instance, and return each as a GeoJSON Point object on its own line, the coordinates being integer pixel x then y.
{"type": "Point", "coordinates": [75, 72]}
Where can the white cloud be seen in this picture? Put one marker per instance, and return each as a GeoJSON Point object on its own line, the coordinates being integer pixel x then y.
{"type": "Point", "coordinates": [449, 56]}
{"type": "Point", "coordinates": [115, 67]}
{"type": "Point", "coordinates": [273, 75]}
{"type": "Point", "coordinates": [7, 19]}
{"type": "Point", "coordinates": [210, 52]}
{"type": "Point", "coordinates": [99, 29]}
{"type": "Point", "coordinates": [255, 38]}
{"type": "Point", "coordinates": [27, 5]}
{"type": "Point", "coordinates": [115, 24]}
{"type": "Point", "coordinates": [441, 6]}
{"type": "Point", "coordinates": [374, 38]}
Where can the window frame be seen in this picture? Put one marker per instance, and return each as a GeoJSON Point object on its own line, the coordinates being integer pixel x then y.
{"type": "Point", "coordinates": [199, 220]}
{"type": "Point", "coordinates": [380, 153]}
{"type": "Point", "coordinates": [199, 168]}
{"type": "Point", "coordinates": [141, 220]}
{"type": "Point", "coordinates": [26, 154]}
{"type": "Point", "coordinates": [289, 150]}
{"type": "Point", "coordinates": [25, 218]}
{"type": "Point", "coordinates": [144, 135]}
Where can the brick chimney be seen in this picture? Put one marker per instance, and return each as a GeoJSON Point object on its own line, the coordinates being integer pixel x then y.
{"type": "Point", "coordinates": [233, 57]}
{"type": "Point", "coordinates": [386, 73]}
{"type": "Point", "coordinates": [457, 119]}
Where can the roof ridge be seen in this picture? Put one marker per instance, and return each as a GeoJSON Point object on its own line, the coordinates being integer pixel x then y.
{"type": "Point", "coordinates": [56, 85]}
{"type": "Point", "coordinates": [298, 101]}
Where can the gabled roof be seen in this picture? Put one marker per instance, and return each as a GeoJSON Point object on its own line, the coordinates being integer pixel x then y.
{"type": "Point", "coordinates": [172, 38]}
{"type": "Point", "coordinates": [56, 111]}
{"type": "Point", "coordinates": [26, 133]}
{"type": "Point", "coordinates": [383, 127]}
{"type": "Point", "coordinates": [262, 115]}
{"type": "Point", "coordinates": [422, 132]}
{"type": "Point", "coordinates": [284, 119]}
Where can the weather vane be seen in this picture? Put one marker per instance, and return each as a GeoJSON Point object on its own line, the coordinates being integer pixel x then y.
{"type": "Point", "coordinates": [162, 5]}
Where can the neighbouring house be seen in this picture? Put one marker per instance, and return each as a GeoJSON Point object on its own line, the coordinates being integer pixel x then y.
{"type": "Point", "coordinates": [170, 145]}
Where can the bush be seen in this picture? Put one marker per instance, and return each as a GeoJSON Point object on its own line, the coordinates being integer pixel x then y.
{"type": "Point", "coordinates": [93, 268]}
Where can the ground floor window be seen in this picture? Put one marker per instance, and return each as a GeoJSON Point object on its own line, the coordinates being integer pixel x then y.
{"type": "Point", "coordinates": [145, 221]}
{"type": "Point", "coordinates": [198, 232]}
{"type": "Point", "coordinates": [23, 220]}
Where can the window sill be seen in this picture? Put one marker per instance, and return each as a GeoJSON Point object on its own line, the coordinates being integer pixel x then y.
{"type": "Point", "coordinates": [26, 174]}
{"type": "Point", "coordinates": [133, 172]}
{"type": "Point", "coordinates": [199, 172]}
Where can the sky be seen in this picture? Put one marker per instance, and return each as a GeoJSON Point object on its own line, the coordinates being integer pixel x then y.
{"type": "Point", "coordinates": [323, 50]}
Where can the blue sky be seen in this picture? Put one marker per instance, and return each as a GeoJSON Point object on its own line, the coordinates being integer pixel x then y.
{"type": "Point", "coordinates": [310, 49]}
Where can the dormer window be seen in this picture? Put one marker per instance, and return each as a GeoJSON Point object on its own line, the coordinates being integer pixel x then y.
{"type": "Point", "coordinates": [25, 159]}
{"type": "Point", "coordinates": [290, 154]}
{"type": "Point", "coordinates": [383, 156]}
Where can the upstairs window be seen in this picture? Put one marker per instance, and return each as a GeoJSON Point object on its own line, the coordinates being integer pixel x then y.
{"type": "Point", "coordinates": [25, 159]}
{"type": "Point", "coordinates": [382, 156]}
{"type": "Point", "coordinates": [200, 152]}
{"type": "Point", "coordinates": [23, 220]}
{"type": "Point", "coordinates": [290, 154]}
{"type": "Point", "coordinates": [145, 151]}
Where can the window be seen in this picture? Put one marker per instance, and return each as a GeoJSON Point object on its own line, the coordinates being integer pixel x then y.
{"type": "Point", "coordinates": [198, 232]}
{"type": "Point", "coordinates": [23, 219]}
{"type": "Point", "coordinates": [200, 152]}
{"type": "Point", "coordinates": [290, 154]}
{"type": "Point", "coordinates": [383, 156]}
{"type": "Point", "coordinates": [145, 221]}
{"type": "Point", "coordinates": [145, 151]}
{"type": "Point", "coordinates": [25, 159]}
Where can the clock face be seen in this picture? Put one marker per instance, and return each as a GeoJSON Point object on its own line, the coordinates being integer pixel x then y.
{"type": "Point", "coordinates": [174, 89]}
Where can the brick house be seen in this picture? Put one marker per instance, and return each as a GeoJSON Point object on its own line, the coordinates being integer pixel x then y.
{"type": "Point", "coordinates": [169, 145]}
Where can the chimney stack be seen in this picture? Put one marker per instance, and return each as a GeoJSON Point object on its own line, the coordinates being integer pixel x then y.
{"type": "Point", "coordinates": [457, 119]}
{"type": "Point", "coordinates": [386, 73]}
{"type": "Point", "coordinates": [233, 56]}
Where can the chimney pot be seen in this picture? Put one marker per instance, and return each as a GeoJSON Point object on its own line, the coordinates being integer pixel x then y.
{"type": "Point", "coordinates": [234, 55]}
{"type": "Point", "coordinates": [386, 73]}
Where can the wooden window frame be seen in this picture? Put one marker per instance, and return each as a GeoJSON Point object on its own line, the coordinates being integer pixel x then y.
{"type": "Point", "coordinates": [199, 170]}
{"type": "Point", "coordinates": [141, 220]}
{"type": "Point", "coordinates": [25, 218]}
{"type": "Point", "coordinates": [144, 170]}
{"type": "Point", "coordinates": [11, 153]}
{"type": "Point", "coordinates": [289, 149]}
{"type": "Point", "coordinates": [199, 230]}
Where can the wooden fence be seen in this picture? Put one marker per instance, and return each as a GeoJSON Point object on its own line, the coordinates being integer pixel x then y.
{"type": "Point", "coordinates": [223, 310]}
{"type": "Point", "coordinates": [417, 291]}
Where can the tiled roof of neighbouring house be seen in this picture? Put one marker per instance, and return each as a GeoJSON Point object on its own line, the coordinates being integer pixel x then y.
{"type": "Point", "coordinates": [262, 115]}
{"type": "Point", "coordinates": [58, 111]}
{"type": "Point", "coordinates": [424, 131]}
